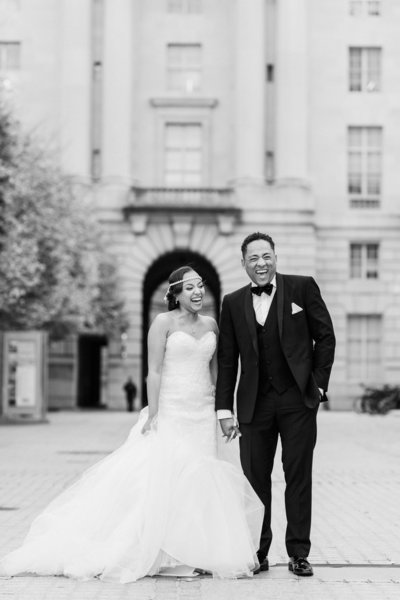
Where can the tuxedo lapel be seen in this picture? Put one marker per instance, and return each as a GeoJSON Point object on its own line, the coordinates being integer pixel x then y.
{"type": "Point", "coordinates": [250, 319]}
{"type": "Point", "coordinates": [280, 291]}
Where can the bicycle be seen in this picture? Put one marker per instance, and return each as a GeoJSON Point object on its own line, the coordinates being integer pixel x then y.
{"type": "Point", "coordinates": [378, 401]}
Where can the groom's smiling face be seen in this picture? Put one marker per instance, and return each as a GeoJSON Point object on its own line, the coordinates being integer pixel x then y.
{"type": "Point", "coordinates": [259, 262]}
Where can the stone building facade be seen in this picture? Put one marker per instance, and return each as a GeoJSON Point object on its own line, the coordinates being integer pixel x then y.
{"type": "Point", "coordinates": [191, 123]}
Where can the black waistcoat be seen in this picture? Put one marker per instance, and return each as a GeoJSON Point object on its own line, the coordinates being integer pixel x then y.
{"type": "Point", "coordinates": [273, 368]}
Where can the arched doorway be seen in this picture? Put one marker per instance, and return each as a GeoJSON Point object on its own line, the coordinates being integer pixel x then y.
{"type": "Point", "coordinates": [89, 370]}
{"type": "Point", "coordinates": [155, 285]}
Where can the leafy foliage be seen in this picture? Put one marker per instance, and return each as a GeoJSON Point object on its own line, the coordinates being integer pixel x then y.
{"type": "Point", "coordinates": [54, 273]}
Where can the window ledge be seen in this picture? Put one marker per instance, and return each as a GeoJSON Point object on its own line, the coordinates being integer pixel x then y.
{"type": "Point", "coordinates": [365, 203]}
{"type": "Point", "coordinates": [183, 102]}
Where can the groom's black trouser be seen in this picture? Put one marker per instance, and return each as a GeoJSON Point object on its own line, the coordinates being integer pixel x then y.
{"type": "Point", "coordinates": [286, 416]}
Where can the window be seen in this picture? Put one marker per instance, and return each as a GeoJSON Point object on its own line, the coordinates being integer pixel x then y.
{"type": "Point", "coordinates": [364, 166]}
{"type": "Point", "coordinates": [184, 6]}
{"type": "Point", "coordinates": [374, 7]}
{"type": "Point", "coordinates": [269, 166]}
{"type": "Point", "coordinates": [9, 5]}
{"type": "Point", "coordinates": [358, 8]}
{"type": "Point", "coordinates": [10, 55]}
{"type": "Point", "coordinates": [364, 69]}
{"type": "Point", "coordinates": [62, 347]}
{"type": "Point", "coordinates": [96, 164]}
{"type": "Point", "coordinates": [270, 72]}
{"type": "Point", "coordinates": [184, 67]}
{"type": "Point", "coordinates": [183, 154]}
{"type": "Point", "coordinates": [364, 261]}
{"type": "Point", "coordinates": [364, 348]}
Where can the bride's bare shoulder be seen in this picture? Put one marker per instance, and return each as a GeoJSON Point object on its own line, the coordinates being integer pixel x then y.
{"type": "Point", "coordinates": [162, 322]}
{"type": "Point", "coordinates": [210, 323]}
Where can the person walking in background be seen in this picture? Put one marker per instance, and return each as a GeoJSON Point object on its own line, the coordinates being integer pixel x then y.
{"type": "Point", "coordinates": [130, 393]}
{"type": "Point", "coordinates": [282, 332]}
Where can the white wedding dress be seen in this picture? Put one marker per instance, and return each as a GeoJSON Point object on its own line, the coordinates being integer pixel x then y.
{"type": "Point", "coordinates": [162, 503]}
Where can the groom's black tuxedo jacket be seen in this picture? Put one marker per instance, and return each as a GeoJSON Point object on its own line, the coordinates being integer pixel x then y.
{"type": "Point", "coordinates": [306, 337]}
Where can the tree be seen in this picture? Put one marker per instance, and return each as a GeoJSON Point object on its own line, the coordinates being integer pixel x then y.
{"type": "Point", "coordinates": [54, 274]}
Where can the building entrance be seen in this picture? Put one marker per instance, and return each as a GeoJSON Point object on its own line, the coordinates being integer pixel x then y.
{"type": "Point", "coordinates": [89, 370]}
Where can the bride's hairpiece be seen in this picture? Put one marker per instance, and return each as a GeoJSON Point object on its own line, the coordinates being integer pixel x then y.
{"type": "Point", "coordinates": [180, 281]}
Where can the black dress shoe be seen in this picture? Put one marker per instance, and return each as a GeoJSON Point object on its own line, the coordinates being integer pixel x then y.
{"type": "Point", "coordinates": [263, 564]}
{"type": "Point", "coordinates": [300, 566]}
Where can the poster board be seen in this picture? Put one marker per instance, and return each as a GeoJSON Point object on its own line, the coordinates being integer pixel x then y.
{"type": "Point", "coordinates": [24, 375]}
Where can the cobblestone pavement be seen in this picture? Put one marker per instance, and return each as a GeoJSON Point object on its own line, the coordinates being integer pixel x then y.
{"type": "Point", "coordinates": [356, 514]}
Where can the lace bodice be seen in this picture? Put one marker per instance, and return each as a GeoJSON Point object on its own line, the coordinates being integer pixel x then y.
{"type": "Point", "coordinates": [186, 400]}
{"type": "Point", "coordinates": [186, 369]}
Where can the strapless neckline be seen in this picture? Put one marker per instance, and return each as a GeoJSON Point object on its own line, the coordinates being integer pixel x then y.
{"type": "Point", "coordinates": [196, 339]}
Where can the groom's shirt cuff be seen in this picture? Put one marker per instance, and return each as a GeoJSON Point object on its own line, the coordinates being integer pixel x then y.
{"type": "Point", "coordinates": [224, 414]}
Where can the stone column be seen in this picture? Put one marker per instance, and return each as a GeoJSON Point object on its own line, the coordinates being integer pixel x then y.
{"type": "Point", "coordinates": [75, 83]}
{"type": "Point", "coordinates": [250, 91]}
{"type": "Point", "coordinates": [118, 77]}
{"type": "Point", "coordinates": [291, 91]}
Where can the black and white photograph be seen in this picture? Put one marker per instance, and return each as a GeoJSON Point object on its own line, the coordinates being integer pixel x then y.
{"type": "Point", "coordinates": [199, 299]}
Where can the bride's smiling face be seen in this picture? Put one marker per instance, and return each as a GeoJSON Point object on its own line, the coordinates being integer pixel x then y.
{"type": "Point", "coordinates": [192, 294]}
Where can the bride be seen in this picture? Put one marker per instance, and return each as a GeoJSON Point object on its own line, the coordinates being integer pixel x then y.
{"type": "Point", "coordinates": [164, 502]}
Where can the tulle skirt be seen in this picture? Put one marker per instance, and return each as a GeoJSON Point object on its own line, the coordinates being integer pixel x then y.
{"type": "Point", "coordinates": [151, 506]}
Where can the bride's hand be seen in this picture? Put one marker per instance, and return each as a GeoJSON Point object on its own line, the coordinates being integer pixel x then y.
{"type": "Point", "coordinates": [230, 429]}
{"type": "Point", "coordinates": [147, 426]}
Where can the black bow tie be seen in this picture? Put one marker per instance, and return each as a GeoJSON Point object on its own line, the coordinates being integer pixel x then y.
{"type": "Point", "coordinates": [267, 289]}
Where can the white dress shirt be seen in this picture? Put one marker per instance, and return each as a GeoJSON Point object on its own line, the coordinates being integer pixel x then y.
{"type": "Point", "coordinates": [262, 303]}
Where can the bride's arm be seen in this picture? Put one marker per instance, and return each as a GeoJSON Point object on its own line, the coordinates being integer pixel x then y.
{"type": "Point", "coordinates": [214, 360]}
{"type": "Point", "coordinates": [156, 341]}
{"type": "Point", "coordinates": [214, 369]}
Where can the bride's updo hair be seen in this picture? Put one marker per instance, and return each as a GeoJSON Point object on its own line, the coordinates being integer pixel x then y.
{"type": "Point", "coordinates": [174, 290]}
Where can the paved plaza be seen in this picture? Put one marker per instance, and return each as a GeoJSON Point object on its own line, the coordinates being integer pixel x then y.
{"type": "Point", "coordinates": [356, 514]}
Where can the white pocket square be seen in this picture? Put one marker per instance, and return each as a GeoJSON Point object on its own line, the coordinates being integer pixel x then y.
{"type": "Point", "coordinates": [295, 308]}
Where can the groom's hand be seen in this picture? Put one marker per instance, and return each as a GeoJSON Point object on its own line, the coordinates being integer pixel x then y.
{"type": "Point", "coordinates": [229, 428]}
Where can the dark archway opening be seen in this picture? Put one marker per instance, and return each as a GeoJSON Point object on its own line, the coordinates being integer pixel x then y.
{"type": "Point", "coordinates": [157, 275]}
{"type": "Point", "coordinates": [89, 370]}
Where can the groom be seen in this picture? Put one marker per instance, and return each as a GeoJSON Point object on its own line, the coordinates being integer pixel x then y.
{"type": "Point", "coordinates": [281, 330]}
